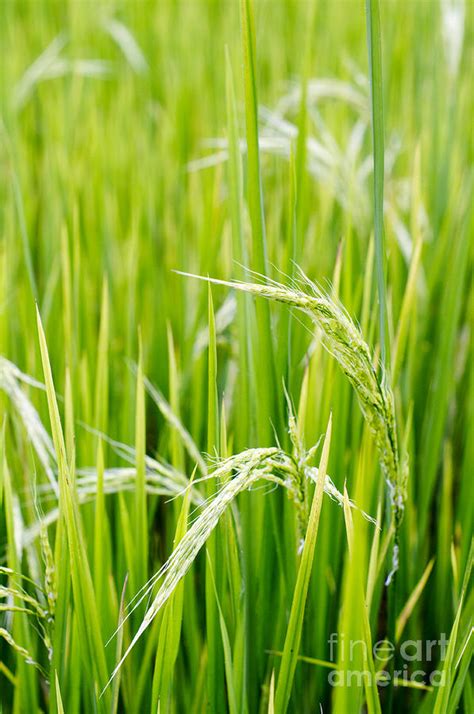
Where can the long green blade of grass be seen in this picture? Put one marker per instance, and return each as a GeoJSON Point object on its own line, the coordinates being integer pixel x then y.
{"type": "Point", "coordinates": [140, 504]}
{"type": "Point", "coordinates": [84, 596]}
{"type": "Point", "coordinates": [441, 704]}
{"type": "Point", "coordinates": [295, 624]}
{"type": "Point", "coordinates": [215, 661]}
{"type": "Point", "coordinates": [374, 44]}
{"type": "Point", "coordinates": [264, 354]}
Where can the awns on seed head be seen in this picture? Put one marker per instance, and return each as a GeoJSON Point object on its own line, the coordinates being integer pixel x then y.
{"type": "Point", "coordinates": [345, 342]}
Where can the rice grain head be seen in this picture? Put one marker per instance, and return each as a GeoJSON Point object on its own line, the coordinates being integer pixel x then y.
{"type": "Point", "coordinates": [234, 475]}
{"type": "Point", "coordinates": [344, 340]}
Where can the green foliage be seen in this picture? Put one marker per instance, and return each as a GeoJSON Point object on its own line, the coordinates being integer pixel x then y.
{"type": "Point", "coordinates": [160, 494]}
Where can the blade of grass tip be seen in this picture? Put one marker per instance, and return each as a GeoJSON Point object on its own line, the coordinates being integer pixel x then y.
{"type": "Point", "coordinates": [375, 69]}
{"type": "Point", "coordinates": [215, 668]}
{"type": "Point", "coordinates": [295, 625]}
{"type": "Point", "coordinates": [349, 625]}
{"type": "Point", "coordinates": [101, 538]}
{"type": "Point", "coordinates": [224, 448]}
{"type": "Point", "coordinates": [374, 552]}
{"type": "Point", "coordinates": [102, 372]}
{"type": "Point", "coordinates": [56, 429]}
{"type": "Point", "coordinates": [177, 447]}
{"type": "Point", "coordinates": [386, 540]}
{"type": "Point", "coordinates": [212, 397]}
{"type": "Point", "coordinates": [443, 693]}
{"type": "Point", "coordinates": [67, 298]}
{"type": "Point", "coordinates": [69, 421]}
{"type": "Point", "coordinates": [271, 694]}
{"type": "Point", "coordinates": [348, 522]}
{"type": "Point", "coordinates": [402, 619]}
{"type": "Point", "coordinates": [140, 510]}
{"type": "Point", "coordinates": [127, 541]}
{"type": "Point", "coordinates": [410, 289]}
{"type": "Point", "coordinates": [118, 650]}
{"type": "Point", "coordinates": [463, 666]}
{"type": "Point", "coordinates": [84, 597]}
{"type": "Point", "coordinates": [367, 289]}
{"type": "Point", "coordinates": [59, 701]}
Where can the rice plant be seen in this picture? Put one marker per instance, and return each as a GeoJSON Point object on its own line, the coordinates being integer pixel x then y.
{"type": "Point", "coordinates": [236, 388]}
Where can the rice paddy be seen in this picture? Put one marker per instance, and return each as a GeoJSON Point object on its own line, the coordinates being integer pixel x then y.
{"type": "Point", "coordinates": [236, 384]}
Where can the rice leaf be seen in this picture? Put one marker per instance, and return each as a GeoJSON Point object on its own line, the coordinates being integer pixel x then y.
{"type": "Point", "coordinates": [375, 68]}
{"type": "Point", "coordinates": [441, 704]}
{"type": "Point", "coordinates": [84, 597]}
{"type": "Point", "coordinates": [295, 625]}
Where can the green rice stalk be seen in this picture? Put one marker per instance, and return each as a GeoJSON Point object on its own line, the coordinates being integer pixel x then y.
{"type": "Point", "coordinates": [343, 339]}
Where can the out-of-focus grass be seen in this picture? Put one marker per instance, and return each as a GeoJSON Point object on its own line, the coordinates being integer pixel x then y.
{"type": "Point", "coordinates": [123, 155]}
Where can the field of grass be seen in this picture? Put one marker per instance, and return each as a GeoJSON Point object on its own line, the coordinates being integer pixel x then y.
{"type": "Point", "coordinates": [250, 492]}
